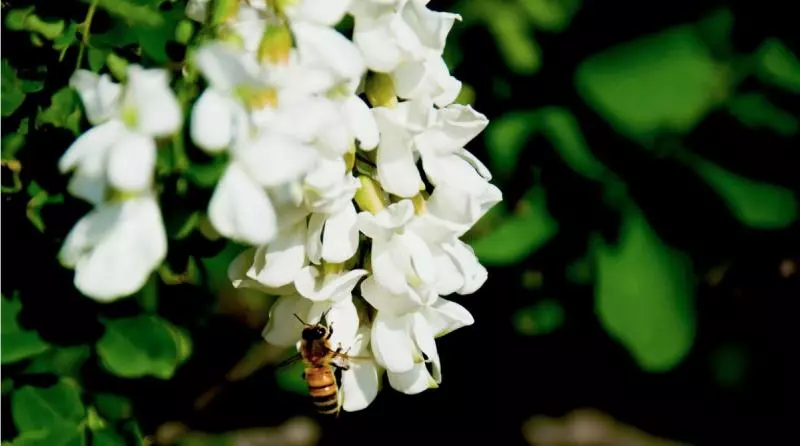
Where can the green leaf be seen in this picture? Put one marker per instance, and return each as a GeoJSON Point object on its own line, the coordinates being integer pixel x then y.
{"type": "Point", "coordinates": [663, 82]}
{"type": "Point", "coordinates": [207, 175]}
{"type": "Point", "coordinates": [551, 15]}
{"type": "Point", "coordinates": [67, 38]}
{"type": "Point", "coordinates": [17, 343]}
{"type": "Point", "coordinates": [97, 59]}
{"type": "Point", "coordinates": [113, 407]}
{"type": "Point", "coordinates": [729, 365]}
{"type": "Point", "coordinates": [63, 361]}
{"type": "Point", "coordinates": [67, 435]}
{"type": "Point", "coordinates": [506, 138]}
{"type": "Point", "coordinates": [153, 41]}
{"type": "Point", "coordinates": [507, 135]}
{"type": "Point", "coordinates": [508, 24]}
{"type": "Point", "coordinates": [756, 111]}
{"type": "Point", "coordinates": [778, 65]}
{"type": "Point", "coordinates": [16, 18]}
{"type": "Point", "coordinates": [541, 318]}
{"type": "Point", "coordinates": [107, 437]}
{"type": "Point", "coordinates": [519, 235]}
{"type": "Point", "coordinates": [131, 12]}
{"type": "Point", "coordinates": [11, 92]}
{"type": "Point", "coordinates": [64, 111]}
{"type": "Point", "coordinates": [757, 205]}
{"type": "Point", "coordinates": [14, 141]}
{"type": "Point", "coordinates": [291, 379]}
{"type": "Point", "coordinates": [53, 412]}
{"type": "Point", "coordinates": [563, 131]}
{"type": "Point", "coordinates": [139, 346]}
{"type": "Point", "coordinates": [644, 294]}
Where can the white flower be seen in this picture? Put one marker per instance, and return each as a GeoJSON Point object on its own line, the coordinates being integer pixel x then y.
{"type": "Point", "coordinates": [330, 293]}
{"type": "Point", "coordinates": [389, 34]}
{"type": "Point", "coordinates": [415, 128]}
{"type": "Point", "coordinates": [120, 151]}
{"type": "Point", "coordinates": [405, 329]}
{"type": "Point", "coordinates": [428, 78]}
{"type": "Point", "coordinates": [115, 247]}
{"type": "Point", "coordinates": [399, 255]}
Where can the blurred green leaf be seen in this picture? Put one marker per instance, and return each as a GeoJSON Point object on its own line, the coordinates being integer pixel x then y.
{"type": "Point", "coordinates": [507, 23]}
{"type": "Point", "coordinates": [755, 110]}
{"type": "Point", "coordinates": [550, 15]}
{"type": "Point", "coordinates": [139, 346]}
{"type": "Point", "coordinates": [63, 361]}
{"type": "Point", "coordinates": [564, 132]}
{"type": "Point", "coordinates": [15, 20]}
{"type": "Point", "coordinates": [107, 437]}
{"type": "Point", "coordinates": [664, 82]}
{"type": "Point", "coordinates": [11, 92]}
{"type": "Point", "coordinates": [541, 318]}
{"type": "Point", "coordinates": [291, 379]}
{"type": "Point", "coordinates": [64, 111]}
{"type": "Point", "coordinates": [14, 141]}
{"type": "Point", "coordinates": [136, 12]}
{"type": "Point", "coordinates": [154, 41]}
{"type": "Point", "coordinates": [519, 235]}
{"type": "Point", "coordinates": [97, 59]}
{"type": "Point", "coordinates": [644, 295]}
{"type": "Point", "coordinates": [207, 175]}
{"type": "Point", "coordinates": [758, 205]}
{"type": "Point", "coordinates": [113, 407]}
{"type": "Point", "coordinates": [778, 65]}
{"type": "Point", "coordinates": [17, 343]}
{"type": "Point", "coordinates": [506, 138]}
{"type": "Point", "coordinates": [54, 412]}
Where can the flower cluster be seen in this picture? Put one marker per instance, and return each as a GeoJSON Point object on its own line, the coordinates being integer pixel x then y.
{"type": "Point", "coordinates": [347, 175]}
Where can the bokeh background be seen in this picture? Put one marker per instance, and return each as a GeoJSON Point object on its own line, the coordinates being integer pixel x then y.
{"type": "Point", "coordinates": [642, 268]}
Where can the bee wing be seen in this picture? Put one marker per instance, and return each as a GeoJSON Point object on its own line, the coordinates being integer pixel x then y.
{"type": "Point", "coordinates": [289, 361]}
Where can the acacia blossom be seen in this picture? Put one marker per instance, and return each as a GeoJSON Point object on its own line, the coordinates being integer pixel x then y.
{"type": "Point", "coordinates": [345, 175]}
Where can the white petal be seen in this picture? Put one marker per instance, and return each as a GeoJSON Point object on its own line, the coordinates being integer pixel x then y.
{"type": "Point", "coordinates": [322, 46]}
{"type": "Point", "coordinates": [482, 170]}
{"type": "Point", "coordinates": [316, 223]}
{"type": "Point", "coordinates": [474, 273]}
{"type": "Point", "coordinates": [377, 45]}
{"type": "Point", "coordinates": [340, 239]}
{"type": "Point", "coordinates": [412, 382]}
{"type": "Point", "coordinates": [430, 77]}
{"type": "Point", "coordinates": [88, 155]}
{"type": "Point", "coordinates": [361, 383]}
{"type": "Point", "coordinates": [212, 121]}
{"type": "Point", "coordinates": [237, 270]}
{"type": "Point", "coordinates": [448, 277]}
{"type": "Point", "coordinates": [430, 27]}
{"type": "Point", "coordinates": [445, 316]}
{"type": "Point", "coordinates": [158, 112]}
{"type": "Point", "coordinates": [131, 161]}
{"type": "Point", "coordinates": [391, 343]}
{"type": "Point", "coordinates": [223, 67]}
{"type": "Point", "coordinates": [456, 125]}
{"type": "Point", "coordinates": [384, 301]}
{"type": "Point", "coordinates": [397, 170]}
{"type": "Point", "coordinates": [311, 284]}
{"type": "Point", "coordinates": [120, 264]}
{"type": "Point", "coordinates": [87, 232]}
{"type": "Point", "coordinates": [423, 336]}
{"type": "Point", "coordinates": [361, 122]}
{"type": "Point", "coordinates": [384, 267]}
{"type": "Point", "coordinates": [197, 10]}
{"type": "Point", "coordinates": [240, 210]}
{"type": "Point", "coordinates": [323, 12]}
{"type": "Point", "coordinates": [283, 258]}
{"type": "Point", "coordinates": [99, 94]}
{"type": "Point", "coordinates": [283, 329]}
{"type": "Point", "coordinates": [273, 159]}
{"type": "Point", "coordinates": [420, 257]}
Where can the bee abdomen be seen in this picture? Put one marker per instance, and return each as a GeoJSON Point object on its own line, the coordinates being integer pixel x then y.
{"type": "Point", "coordinates": [323, 390]}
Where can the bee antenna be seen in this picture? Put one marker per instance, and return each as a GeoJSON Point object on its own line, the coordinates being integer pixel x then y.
{"type": "Point", "coordinates": [325, 315]}
{"type": "Point", "coordinates": [298, 318]}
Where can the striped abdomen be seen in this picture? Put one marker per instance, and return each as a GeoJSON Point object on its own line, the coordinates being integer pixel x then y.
{"type": "Point", "coordinates": [323, 389]}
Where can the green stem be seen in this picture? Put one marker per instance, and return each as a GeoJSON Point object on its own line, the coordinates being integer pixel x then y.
{"type": "Point", "coordinates": [87, 24]}
{"type": "Point", "coordinates": [148, 295]}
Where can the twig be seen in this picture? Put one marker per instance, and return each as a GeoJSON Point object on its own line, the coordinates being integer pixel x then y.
{"type": "Point", "coordinates": [86, 32]}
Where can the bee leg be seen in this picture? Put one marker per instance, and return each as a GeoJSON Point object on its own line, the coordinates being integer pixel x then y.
{"type": "Point", "coordinates": [330, 331]}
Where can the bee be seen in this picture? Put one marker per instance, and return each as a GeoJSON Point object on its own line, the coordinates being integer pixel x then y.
{"type": "Point", "coordinates": [323, 365]}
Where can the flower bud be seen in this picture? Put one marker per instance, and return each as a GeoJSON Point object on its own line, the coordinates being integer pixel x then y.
{"type": "Point", "coordinates": [350, 157]}
{"type": "Point", "coordinates": [276, 44]}
{"type": "Point", "coordinates": [369, 196]}
{"type": "Point", "coordinates": [380, 90]}
{"type": "Point", "coordinates": [331, 269]}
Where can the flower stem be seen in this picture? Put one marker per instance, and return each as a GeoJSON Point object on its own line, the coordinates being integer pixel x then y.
{"type": "Point", "coordinates": [87, 25]}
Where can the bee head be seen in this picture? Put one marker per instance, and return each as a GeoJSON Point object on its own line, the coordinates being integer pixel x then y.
{"type": "Point", "coordinates": [314, 332]}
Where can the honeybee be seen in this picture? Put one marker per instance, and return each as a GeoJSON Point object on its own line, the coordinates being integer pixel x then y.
{"type": "Point", "coordinates": [323, 365]}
